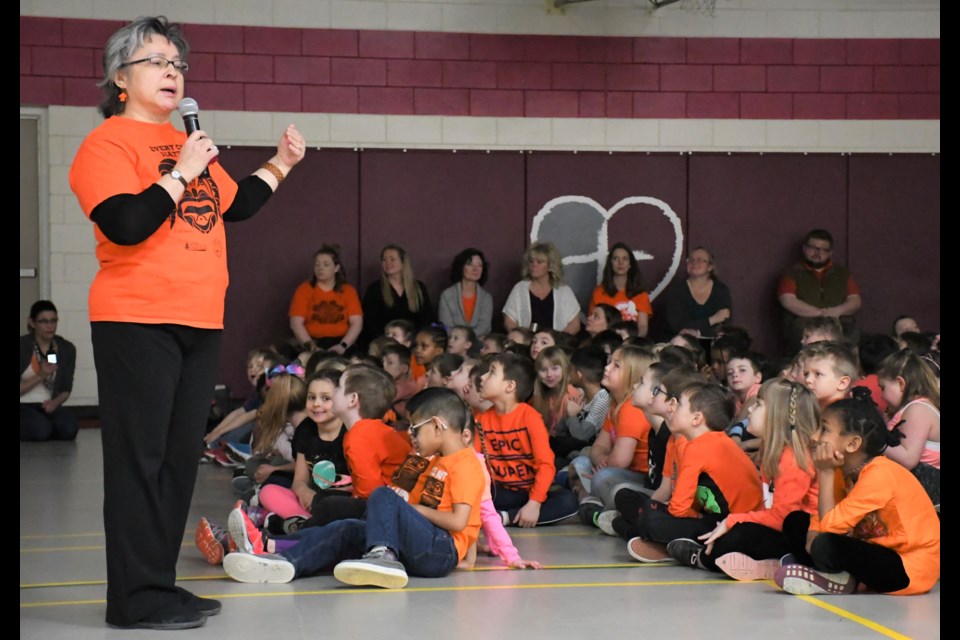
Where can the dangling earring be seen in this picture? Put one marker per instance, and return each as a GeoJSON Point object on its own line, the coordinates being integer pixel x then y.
{"type": "Point", "coordinates": [123, 96]}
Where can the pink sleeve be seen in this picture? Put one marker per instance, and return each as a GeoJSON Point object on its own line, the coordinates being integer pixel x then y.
{"type": "Point", "coordinates": [497, 537]}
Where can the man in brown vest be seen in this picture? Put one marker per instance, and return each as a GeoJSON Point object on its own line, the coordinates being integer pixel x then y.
{"type": "Point", "coordinates": [816, 286]}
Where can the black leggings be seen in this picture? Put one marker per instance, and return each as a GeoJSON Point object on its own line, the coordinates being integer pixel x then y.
{"type": "Point", "coordinates": [879, 568]}
{"type": "Point", "coordinates": [331, 505]}
{"type": "Point", "coordinates": [755, 540]}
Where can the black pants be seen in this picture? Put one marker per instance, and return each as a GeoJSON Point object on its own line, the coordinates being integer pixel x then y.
{"type": "Point", "coordinates": [37, 425]}
{"type": "Point", "coordinates": [879, 568]}
{"type": "Point", "coordinates": [155, 383]}
{"type": "Point", "coordinates": [630, 504]}
{"type": "Point", "coordinates": [561, 503]}
{"type": "Point", "coordinates": [755, 540]}
{"type": "Point", "coordinates": [331, 505]}
{"type": "Point", "coordinates": [658, 525]}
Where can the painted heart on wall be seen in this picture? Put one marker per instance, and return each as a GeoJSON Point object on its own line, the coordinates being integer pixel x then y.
{"type": "Point", "coordinates": [578, 226]}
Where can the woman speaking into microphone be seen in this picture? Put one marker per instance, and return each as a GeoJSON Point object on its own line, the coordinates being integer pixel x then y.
{"type": "Point", "coordinates": [158, 203]}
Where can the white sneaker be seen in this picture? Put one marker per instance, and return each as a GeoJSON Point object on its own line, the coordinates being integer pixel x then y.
{"type": "Point", "coordinates": [605, 521]}
{"type": "Point", "coordinates": [267, 568]}
{"type": "Point", "coordinates": [375, 568]}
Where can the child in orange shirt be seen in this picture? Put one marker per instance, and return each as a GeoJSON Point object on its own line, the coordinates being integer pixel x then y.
{"type": "Point", "coordinates": [403, 332]}
{"type": "Point", "coordinates": [518, 447]}
{"type": "Point", "coordinates": [829, 370]}
{"type": "Point", "coordinates": [427, 536]}
{"type": "Point", "coordinates": [748, 546]}
{"type": "Point", "coordinates": [619, 455]}
{"type": "Point", "coordinates": [715, 477]}
{"type": "Point", "coordinates": [875, 524]}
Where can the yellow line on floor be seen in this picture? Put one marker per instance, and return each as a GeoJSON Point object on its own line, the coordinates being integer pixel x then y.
{"type": "Point", "coordinates": [868, 623]}
{"type": "Point", "coordinates": [349, 591]}
{"type": "Point", "coordinates": [621, 565]}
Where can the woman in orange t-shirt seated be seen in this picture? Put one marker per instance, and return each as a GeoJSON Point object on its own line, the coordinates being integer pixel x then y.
{"type": "Point", "coordinates": [158, 203]}
{"type": "Point", "coordinates": [325, 311]}
{"type": "Point", "coordinates": [621, 286]}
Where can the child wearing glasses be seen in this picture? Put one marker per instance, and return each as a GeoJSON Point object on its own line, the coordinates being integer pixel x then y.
{"type": "Point", "coordinates": [715, 478]}
{"type": "Point", "coordinates": [654, 394]}
{"type": "Point", "coordinates": [425, 535]}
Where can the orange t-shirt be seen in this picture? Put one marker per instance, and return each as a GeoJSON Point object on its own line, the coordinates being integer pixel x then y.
{"type": "Point", "coordinates": [629, 307]}
{"type": "Point", "coordinates": [373, 450]}
{"type": "Point", "coordinates": [794, 489]}
{"type": "Point", "coordinates": [449, 480]}
{"type": "Point", "coordinates": [518, 450]}
{"type": "Point", "coordinates": [417, 370]}
{"type": "Point", "coordinates": [630, 422]}
{"type": "Point", "coordinates": [674, 455]}
{"type": "Point", "coordinates": [888, 506]}
{"type": "Point", "coordinates": [716, 477]}
{"type": "Point", "coordinates": [325, 314]}
{"type": "Point", "coordinates": [469, 304]}
{"type": "Point", "coordinates": [179, 274]}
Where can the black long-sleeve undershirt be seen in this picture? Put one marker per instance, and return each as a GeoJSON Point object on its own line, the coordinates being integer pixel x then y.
{"type": "Point", "coordinates": [127, 219]}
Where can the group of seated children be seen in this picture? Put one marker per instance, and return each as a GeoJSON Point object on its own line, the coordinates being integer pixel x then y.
{"type": "Point", "coordinates": [392, 465]}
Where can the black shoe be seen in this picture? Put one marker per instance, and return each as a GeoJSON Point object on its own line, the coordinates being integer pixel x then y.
{"type": "Point", "coordinates": [171, 619]}
{"type": "Point", "coordinates": [687, 552]}
{"type": "Point", "coordinates": [293, 524]}
{"type": "Point", "coordinates": [206, 606]}
{"type": "Point", "coordinates": [589, 509]}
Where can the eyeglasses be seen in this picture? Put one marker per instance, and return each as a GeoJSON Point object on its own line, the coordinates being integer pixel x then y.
{"type": "Point", "coordinates": [46, 321]}
{"type": "Point", "coordinates": [414, 427]}
{"type": "Point", "coordinates": [810, 247]}
{"type": "Point", "coordinates": [657, 390]}
{"type": "Point", "coordinates": [698, 261]}
{"type": "Point", "coordinates": [160, 63]}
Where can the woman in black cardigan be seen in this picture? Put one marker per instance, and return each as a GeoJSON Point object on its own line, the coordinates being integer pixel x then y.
{"type": "Point", "coordinates": [47, 363]}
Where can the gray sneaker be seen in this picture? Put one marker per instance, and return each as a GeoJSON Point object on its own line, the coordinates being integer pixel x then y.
{"type": "Point", "coordinates": [266, 568]}
{"type": "Point", "coordinates": [376, 568]}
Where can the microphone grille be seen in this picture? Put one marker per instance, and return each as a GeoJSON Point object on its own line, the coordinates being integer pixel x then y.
{"type": "Point", "coordinates": [188, 107]}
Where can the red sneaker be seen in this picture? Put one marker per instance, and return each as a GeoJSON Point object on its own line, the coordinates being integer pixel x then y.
{"type": "Point", "coordinates": [212, 541]}
{"type": "Point", "coordinates": [244, 533]}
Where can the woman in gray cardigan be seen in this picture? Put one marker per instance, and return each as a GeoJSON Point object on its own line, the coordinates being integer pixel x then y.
{"type": "Point", "coordinates": [47, 363]}
{"type": "Point", "coordinates": [467, 302]}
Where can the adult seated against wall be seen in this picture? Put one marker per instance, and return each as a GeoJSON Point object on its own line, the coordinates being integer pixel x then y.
{"type": "Point", "coordinates": [47, 362]}
{"type": "Point", "coordinates": [699, 304]}
{"type": "Point", "coordinates": [541, 300]}
{"type": "Point", "coordinates": [621, 286]}
{"type": "Point", "coordinates": [815, 286]}
{"type": "Point", "coordinates": [467, 302]}
{"type": "Point", "coordinates": [397, 295]}
{"type": "Point", "coordinates": [325, 312]}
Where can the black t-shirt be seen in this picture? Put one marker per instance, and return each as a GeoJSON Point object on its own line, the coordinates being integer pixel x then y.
{"type": "Point", "coordinates": [656, 453]}
{"type": "Point", "coordinates": [307, 441]}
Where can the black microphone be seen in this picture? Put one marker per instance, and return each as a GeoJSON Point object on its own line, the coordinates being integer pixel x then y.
{"type": "Point", "coordinates": [190, 112]}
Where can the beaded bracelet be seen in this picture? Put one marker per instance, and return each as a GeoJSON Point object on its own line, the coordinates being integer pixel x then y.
{"type": "Point", "coordinates": [275, 170]}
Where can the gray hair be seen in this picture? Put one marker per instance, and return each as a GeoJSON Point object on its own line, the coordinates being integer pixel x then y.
{"type": "Point", "coordinates": [121, 46]}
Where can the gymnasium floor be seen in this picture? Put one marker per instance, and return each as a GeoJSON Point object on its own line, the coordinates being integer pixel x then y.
{"type": "Point", "coordinates": [590, 587]}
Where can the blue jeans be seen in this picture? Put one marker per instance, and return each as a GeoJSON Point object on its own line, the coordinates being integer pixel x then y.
{"type": "Point", "coordinates": [320, 548]}
{"type": "Point", "coordinates": [424, 549]}
{"type": "Point", "coordinates": [603, 481]}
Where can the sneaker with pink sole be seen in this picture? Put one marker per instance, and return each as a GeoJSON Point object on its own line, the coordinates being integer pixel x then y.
{"type": "Point", "coordinates": [740, 566]}
{"type": "Point", "coordinates": [807, 581]}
